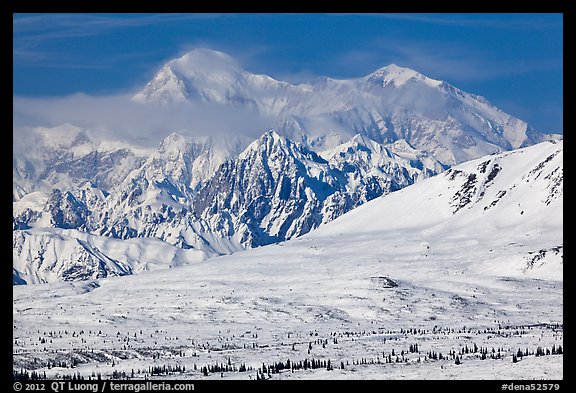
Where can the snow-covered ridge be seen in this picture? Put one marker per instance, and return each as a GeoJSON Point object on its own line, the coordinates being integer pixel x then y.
{"type": "Point", "coordinates": [353, 241]}
{"type": "Point", "coordinates": [514, 199]}
{"type": "Point", "coordinates": [68, 157]}
{"type": "Point", "coordinates": [399, 76]}
{"type": "Point", "coordinates": [53, 254]}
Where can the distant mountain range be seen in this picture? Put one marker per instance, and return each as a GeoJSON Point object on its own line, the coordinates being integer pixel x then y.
{"type": "Point", "coordinates": [88, 209]}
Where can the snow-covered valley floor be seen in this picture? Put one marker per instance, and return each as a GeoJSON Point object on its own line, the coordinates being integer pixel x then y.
{"type": "Point", "coordinates": [313, 298]}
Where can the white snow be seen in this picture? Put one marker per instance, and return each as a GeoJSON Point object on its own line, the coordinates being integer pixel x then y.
{"type": "Point", "coordinates": [458, 276]}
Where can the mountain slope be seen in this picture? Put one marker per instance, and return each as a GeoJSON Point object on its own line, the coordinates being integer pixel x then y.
{"type": "Point", "coordinates": [393, 166]}
{"type": "Point", "coordinates": [275, 188]}
{"type": "Point", "coordinates": [513, 200]}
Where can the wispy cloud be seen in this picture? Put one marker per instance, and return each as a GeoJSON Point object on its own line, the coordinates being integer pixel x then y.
{"type": "Point", "coordinates": [116, 117]}
{"type": "Point", "coordinates": [448, 61]}
{"type": "Point", "coordinates": [50, 26]}
{"type": "Point", "coordinates": [508, 21]}
{"type": "Point", "coordinates": [32, 34]}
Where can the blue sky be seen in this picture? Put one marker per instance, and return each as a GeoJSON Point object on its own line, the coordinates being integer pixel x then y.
{"type": "Point", "coordinates": [514, 60]}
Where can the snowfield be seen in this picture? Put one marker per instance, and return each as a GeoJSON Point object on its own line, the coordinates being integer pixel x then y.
{"type": "Point", "coordinates": [464, 267]}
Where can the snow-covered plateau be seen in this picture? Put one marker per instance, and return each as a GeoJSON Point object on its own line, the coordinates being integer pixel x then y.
{"type": "Point", "coordinates": [457, 276]}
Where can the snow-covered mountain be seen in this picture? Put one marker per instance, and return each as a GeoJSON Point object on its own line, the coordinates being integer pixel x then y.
{"type": "Point", "coordinates": [388, 227]}
{"type": "Point", "coordinates": [43, 255]}
{"type": "Point", "coordinates": [67, 157]}
{"type": "Point", "coordinates": [277, 189]}
{"type": "Point", "coordinates": [392, 166]}
{"type": "Point", "coordinates": [338, 144]}
{"type": "Point", "coordinates": [274, 190]}
{"type": "Point", "coordinates": [389, 104]}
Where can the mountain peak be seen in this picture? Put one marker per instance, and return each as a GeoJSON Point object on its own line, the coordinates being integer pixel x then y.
{"type": "Point", "coordinates": [203, 60]}
{"type": "Point", "coordinates": [394, 68]}
{"type": "Point", "coordinates": [174, 137]}
{"type": "Point", "coordinates": [273, 135]}
{"type": "Point", "coordinates": [200, 73]}
{"type": "Point", "coordinates": [174, 143]}
{"type": "Point", "coordinates": [360, 139]}
{"type": "Point", "coordinates": [383, 106]}
{"type": "Point", "coordinates": [167, 86]}
{"type": "Point", "coordinates": [397, 75]}
{"type": "Point", "coordinates": [266, 141]}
